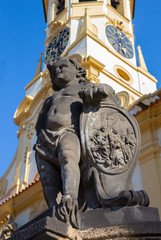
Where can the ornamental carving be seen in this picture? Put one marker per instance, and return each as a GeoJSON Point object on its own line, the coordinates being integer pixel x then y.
{"type": "Point", "coordinates": [9, 227]}
{"type": "Point", "coordinates": [112, 140]}
{"type": "Point", "coordinates": [120, 25]}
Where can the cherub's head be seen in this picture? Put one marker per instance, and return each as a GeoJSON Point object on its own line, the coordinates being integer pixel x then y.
{"type": "Point", "coordinates": [65, 72]}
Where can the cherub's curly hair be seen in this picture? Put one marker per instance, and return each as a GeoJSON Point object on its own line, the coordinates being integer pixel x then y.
{"type": "Point", "coordinates": [81, 75]}
{"type": "Point", "coordinates": [81, 70]}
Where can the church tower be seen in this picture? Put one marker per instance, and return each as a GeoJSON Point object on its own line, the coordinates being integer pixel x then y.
{"type": "Point", "coordinates": [100, 35]}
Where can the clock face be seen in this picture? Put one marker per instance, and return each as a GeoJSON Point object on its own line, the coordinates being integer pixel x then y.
{"type": "Point", "coordinates": [57, 45]}
{"type": "Point", "coordinates": [119, 41]}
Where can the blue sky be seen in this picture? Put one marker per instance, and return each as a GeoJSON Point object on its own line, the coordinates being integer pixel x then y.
{"type": "Point", "coordinates": [22, 39]}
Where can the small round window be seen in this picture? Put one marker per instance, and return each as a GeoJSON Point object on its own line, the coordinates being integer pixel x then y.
{"type": "Point", "coordinates": [123, 74]}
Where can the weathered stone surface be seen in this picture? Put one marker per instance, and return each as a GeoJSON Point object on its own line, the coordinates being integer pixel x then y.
{"type": "Point", "coordinates": [50, 229]}
{"type": "Point", "coordinates": [145, 230]}
{"type": "Point", "coordinates": [95, 224]}
{"type": "Point", "coordinates": [100, 218]}
{"type": "Point", "coordinates": [46, 228]}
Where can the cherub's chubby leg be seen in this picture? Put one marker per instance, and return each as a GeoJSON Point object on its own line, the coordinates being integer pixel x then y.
{"type": "Point", "coordinates": [50, 179]}
{"type": "Point", "coordinates": [69, 158]}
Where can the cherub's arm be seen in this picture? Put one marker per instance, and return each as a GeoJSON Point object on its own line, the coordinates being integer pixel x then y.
{"type": "Point", "coordinates": [93, 93]}
{"type": "Point", "coordinates": [42, 115]}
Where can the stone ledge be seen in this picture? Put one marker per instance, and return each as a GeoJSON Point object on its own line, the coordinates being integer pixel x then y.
{"type": "Point", "coordinates": [99, 218]}
{"type": "Point", "coordinates": [49, 229]}
{"type": "Point", "coordinates": [145, 230]}
{"type": "Point", "coordinates": [46, 228]}
{"type": "Point", "coordinates": [124, 223]}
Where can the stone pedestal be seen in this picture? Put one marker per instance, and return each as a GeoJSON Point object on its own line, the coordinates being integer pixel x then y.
{"type": "Point", "coordinates": [124, 223]}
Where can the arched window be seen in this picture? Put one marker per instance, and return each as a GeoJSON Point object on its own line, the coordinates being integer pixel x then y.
{"type": "Point", "coordinates": [118, 5]}
{"type": "Point", "coordinates": [87, 0]}
{"type": "Point", "coordinates": [60, 6]}
{"type": "Point", "coordinates": [115, 3]}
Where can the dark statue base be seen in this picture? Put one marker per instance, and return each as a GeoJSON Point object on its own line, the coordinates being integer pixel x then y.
{"type": "Point", "coordinates": [99, 218]}
{"type": "Point", "coordinates": [125, 223]}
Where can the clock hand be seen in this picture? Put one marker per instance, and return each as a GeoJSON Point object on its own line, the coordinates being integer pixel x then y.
{"type": "Point", "coordinates": [124, 50]}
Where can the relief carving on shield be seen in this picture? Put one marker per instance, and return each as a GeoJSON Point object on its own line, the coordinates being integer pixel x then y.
{"type": "Point", "coordinates": [111, 139]}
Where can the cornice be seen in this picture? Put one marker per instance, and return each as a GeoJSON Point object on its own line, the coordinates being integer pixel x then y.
{"type": "Point", "coordinates": [86, 4]}
{"type": "Point", "coordinates": [151, 153]}
{"type": "Point", "coordinates": [117, 13]}
{"type": "Point", "coordinates": [21, 200]}
{"type": "Point", "coordinates": [91, 16]}
{"type": "Point", "coordinates": [21, 117]}
{"type": "Point", "coordinates": [63, 16]}
{"type": "Point", "coordinates": [125, 85]}
{"type": "Point", "coordinates": [94, 67]}
{"type": "Point", "coordinates": [40, 75]}
{"type": "Point", "coordinates": [150, 118]}
{"type": "Point", "coordinates": [146, 97]}
{"type": "Point", "coordinates": [22, 110]}
{"type": "Point", "coordinates": [95, 62]}
{"type": "Point", "coordinates": [33, 80]}
{"type": "Point", "coordinates": [27, 197]}
{"type": "Point", "coordinates": [147, 74]}
{"type": "Point", "coordinates": [153, 111]}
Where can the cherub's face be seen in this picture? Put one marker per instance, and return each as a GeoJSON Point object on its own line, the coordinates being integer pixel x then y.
{"type": "Point", "coordinates": [63, 73]}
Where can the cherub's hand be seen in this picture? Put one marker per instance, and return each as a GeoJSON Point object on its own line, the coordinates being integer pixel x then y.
{"type": "Point", "coordinates": [93, 93]}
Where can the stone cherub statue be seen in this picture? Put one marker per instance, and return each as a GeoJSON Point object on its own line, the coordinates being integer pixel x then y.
{"type": "Point", "coordinates": [86, 147]}
{"type": "Point", "coordinates": [58, 149]}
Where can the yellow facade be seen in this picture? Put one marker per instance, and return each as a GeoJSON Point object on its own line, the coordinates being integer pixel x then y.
{"type": "Point", "coordinates": [148, 115]}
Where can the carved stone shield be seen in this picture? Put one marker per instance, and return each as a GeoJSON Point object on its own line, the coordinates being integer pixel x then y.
{"type": "Point", "coordinates": [110, 141]}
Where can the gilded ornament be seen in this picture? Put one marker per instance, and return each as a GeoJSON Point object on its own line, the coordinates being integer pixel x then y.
{"type": "Point", "coordinates": [9, 227]}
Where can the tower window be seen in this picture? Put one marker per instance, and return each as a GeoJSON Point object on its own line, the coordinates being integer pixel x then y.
{"type": "Point", "coordinates": [60, 6]}
{"type": "Point", "coordinates": [123, 74]}
{"type": "Point", "coordinates": [87, 1]}
{"type": "Point", "coordinates": [118, 5]}
{"type": "Point", "coordinates": [115, 3]}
